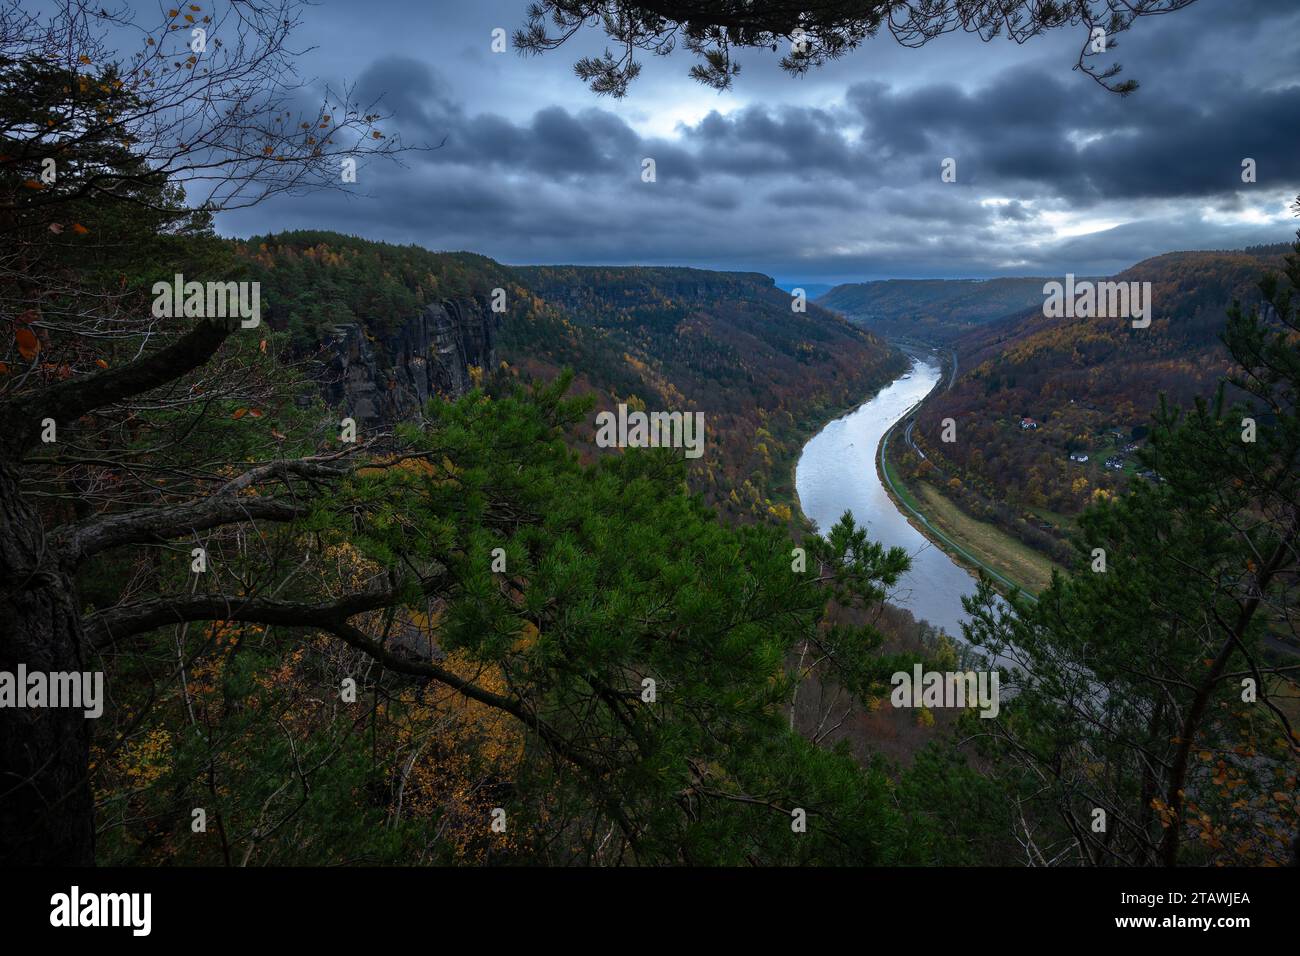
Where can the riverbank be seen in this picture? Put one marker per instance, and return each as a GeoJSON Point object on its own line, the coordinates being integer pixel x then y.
{"type": "Point", "coordinates": [837, 473]}
{"type": "Point", "coordinates": [973, 551]}
{"type": "Point", "coordinates": [976, 545]}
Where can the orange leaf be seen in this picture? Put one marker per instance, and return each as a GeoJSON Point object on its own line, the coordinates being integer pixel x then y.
{"type": "Point", "coordinates": [28, 343]}
{"type": "Point", "coordinates": [4, 369]}
{"type": "Point", "coordinates": [79, 229]}
{"type": "Point", "coordinates": [33, 184]}
{"type": "Point", "coordinates": [255, 412]}
{"type": "Point", "coordinates": [101, 363]}
{"type": "Point", "coordinates": [262, 345]}
{"type": "Point", "coordinates": [83, 59]}
{"type": "Point", "coordinates": [239, 413]}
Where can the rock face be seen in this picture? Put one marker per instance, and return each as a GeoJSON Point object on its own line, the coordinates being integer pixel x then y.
{"type": "Point", "coordinates": [389, 379]}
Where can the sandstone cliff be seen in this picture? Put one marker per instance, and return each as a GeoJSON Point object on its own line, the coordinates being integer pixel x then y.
{"type": "Point", "coordinates": [381, 380]}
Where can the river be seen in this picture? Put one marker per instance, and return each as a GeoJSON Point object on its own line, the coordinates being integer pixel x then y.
{"type": "Point", "coordinates": [837, 473]}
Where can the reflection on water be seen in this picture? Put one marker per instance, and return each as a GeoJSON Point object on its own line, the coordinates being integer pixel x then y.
{"type": "Point", "coordinates": [837, 473]}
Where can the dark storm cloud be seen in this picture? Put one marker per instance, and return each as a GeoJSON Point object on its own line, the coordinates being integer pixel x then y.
{"type": "Point", "coordinates": [762, 140]}
{"type": "Point", "coordinates": [838, 176]}
{"type": "Point", "coordinates": [555, 143]}
{"type": "Point", "coordinates": [1029, 127]}
{"type": "Point", "coordinates": [813, 195]}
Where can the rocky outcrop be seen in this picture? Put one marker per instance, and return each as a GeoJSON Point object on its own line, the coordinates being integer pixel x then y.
{"type": "Point", "coordinates": [381, 380]}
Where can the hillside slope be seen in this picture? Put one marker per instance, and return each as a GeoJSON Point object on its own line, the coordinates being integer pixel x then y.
{"type": "Point", "coordinates": [392, 326]}
{"type": "Point", "coordinates": [935, 311]}
{"type": "Point", "coordinates": [1089, 385]}
{"type": "Point", "coordinates": [729, 345]}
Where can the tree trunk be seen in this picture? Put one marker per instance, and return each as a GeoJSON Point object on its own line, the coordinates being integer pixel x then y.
{"type": "Point", "coordinates": [46, 806]}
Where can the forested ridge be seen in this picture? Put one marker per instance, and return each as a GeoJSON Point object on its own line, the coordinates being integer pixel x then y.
{"type": "Point", "coordinates": [1090, 385]}
{"type": "Point", "coordinates": [467, 637]}
{"type": "Point", "coordinates": [727, 344]}
{"type": "Point", "coordinates": [937, 311]}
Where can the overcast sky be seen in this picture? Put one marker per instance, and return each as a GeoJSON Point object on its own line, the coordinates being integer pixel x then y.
{"type": "Point", "coordinates": [829, 178]}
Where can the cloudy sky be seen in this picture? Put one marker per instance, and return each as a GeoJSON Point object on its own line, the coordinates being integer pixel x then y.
{"type": "Point", "coordinates": [829, 178]}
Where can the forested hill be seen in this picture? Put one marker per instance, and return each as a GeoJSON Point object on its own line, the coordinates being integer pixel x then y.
{"type": "Point", "coordinates": [730, 345]}
{"type": "Point", "coordinates": [1107, 362]}
{"type": "Point", "coordinates": [400, 323]}
{"type": "Point", "coordinates": [932, 310]}
{"type": "Point", "coordinates": [1091, 385]}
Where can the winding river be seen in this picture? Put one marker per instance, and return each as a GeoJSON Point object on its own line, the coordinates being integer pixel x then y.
{"type": "Point", "coordinates": [837, 473]}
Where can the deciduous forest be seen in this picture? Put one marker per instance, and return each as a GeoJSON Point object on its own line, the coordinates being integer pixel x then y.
{"type": "Point", "coordinates": [363, 590]}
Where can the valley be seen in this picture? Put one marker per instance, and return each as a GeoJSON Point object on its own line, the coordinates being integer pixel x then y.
{"type": "Point", "coordinates": [1051, 413]}
{"type": "Point", "coordinates": [429, 442]}
{"type": "Point", "coordinates": [389, 327]}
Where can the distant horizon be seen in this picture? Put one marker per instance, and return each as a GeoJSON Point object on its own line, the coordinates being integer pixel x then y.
{"type": "Point", "coordinates": [783, 282]}
{"type": "Point", "coordinates": [838, 173]}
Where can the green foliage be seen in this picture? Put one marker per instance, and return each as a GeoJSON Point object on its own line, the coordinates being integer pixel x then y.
{"type": "Point", "coordinates": [620, 576]}
{"type": "Point", "coordinates": [1129, 691]}
{"type": "Point", "coordinates": [614, 574]}
{"type": "Point", "coordinates": [313, 280]}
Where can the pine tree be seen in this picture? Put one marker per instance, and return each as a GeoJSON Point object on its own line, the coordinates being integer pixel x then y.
{"type": "Point", "coordinates": [1153, 690]}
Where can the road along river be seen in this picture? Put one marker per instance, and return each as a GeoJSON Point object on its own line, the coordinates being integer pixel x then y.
{"type": "Point", "coordinates": [837, 473]}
